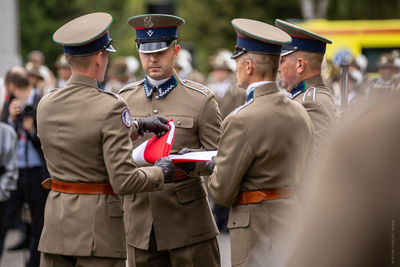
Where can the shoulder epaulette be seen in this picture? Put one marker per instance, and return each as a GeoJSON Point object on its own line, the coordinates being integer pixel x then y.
{"type": "Point", "coordinates": [196, 86]}
{"type": "Point", "coordinates": [242, 107]}
{"type": "Point", "coordinates": [309, 94]}
{"type": "Point", "coordinates": [113, 94]}
{"type": "Point", "coordinates": [131, 86]}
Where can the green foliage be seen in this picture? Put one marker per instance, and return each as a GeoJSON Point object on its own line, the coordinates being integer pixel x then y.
{"type": "Point", "coordinates": [207, 27]}
{"type": "Point", "coordinates": [39, 19]}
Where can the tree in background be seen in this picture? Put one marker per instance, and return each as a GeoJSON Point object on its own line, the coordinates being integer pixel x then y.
{"type": "Point", "coordinates": [207, 28]}
{"type": "Point", "coordinates": [39, 19]}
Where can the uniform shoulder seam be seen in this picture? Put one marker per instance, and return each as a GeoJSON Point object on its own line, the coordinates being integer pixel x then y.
{"type": "Point", "coordinates": [113, 94]}
{"type": "Point", "coordinates": [242, 107]}
{"type": "Point", "coordinates": [192, 85]}
{"type": "Point", "coordinates": [131, 86]}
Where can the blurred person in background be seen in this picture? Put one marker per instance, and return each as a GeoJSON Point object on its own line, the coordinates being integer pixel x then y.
{"type": "Point", "coordinates": [355, 93]}
{"type": "Point", "coordinates": [8, 172]}
{"type": "Point", "coordinates": [37, 58]}
{"type": "Point", "coordinates": [20, 112]}
{"type": "Point", "coordinates": [387, 81]}
{"type": "Point", "coordinates": [184, 67]}
{"type": "Point", "coordinates": [63, 71]}
{"type": "Point", "coordinates": [222, 81]}
{"type": "Point", "coordinates": [120, 73]}
{"type": "Point", "coordinates": [36, 79]}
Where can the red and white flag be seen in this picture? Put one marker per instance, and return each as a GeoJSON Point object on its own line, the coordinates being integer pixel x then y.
{"type": "Point", "coordinates": [156, 148]}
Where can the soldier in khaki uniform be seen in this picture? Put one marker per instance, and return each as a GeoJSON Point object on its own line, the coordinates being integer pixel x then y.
{"type": "Point", "coordinates": [85, 139]}
{"type": "Point", "coordinates": [223, 83]}
{"type": "Point", "coordinates": [300, 71]}
{"type": "Point", "coordinates": [173, 227]}
{"type": "Point", "coordinates": [262, 152]}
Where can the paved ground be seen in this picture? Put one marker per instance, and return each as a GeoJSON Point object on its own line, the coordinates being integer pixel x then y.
{"type": "Point", "coordinates": [17, 259]}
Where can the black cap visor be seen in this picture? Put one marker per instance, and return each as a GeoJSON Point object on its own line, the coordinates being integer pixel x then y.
{"type": "Point", "coordinates": [238, 51]}
{"type": "Point", "coordinates": [153, 46]}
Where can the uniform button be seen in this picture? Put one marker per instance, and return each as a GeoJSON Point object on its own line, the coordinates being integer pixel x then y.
{"type": "Point", "coordinates": [157, 97]}
{"type": "Point", "coordinates": [179, 123]}
{"type": "Point", "coordinates": [155, 111]}
{"type": "Point", "coordinates": [234, 222]}
{"type": "Point", "coordinates": [158, 184]}
{"type": "Point", "coordinates": [199, 173]}
{"type": "Point", "coordinates": [197, 193]}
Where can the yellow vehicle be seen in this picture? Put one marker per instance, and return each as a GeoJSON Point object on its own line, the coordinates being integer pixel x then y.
{"type": "Point", "coordinates": [368, 37]}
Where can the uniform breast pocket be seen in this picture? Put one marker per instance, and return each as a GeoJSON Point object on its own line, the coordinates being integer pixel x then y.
{"type": "Point", "coordinates": [240, 234]}
{"type": "Point", "coordinates": [185, 133]}
{"type": "Point", "coordinates": [195, 210]}
{"type": "Point", "coordinates": [116, 225]}
{"type": "Point", "coordinates": [184, 122]}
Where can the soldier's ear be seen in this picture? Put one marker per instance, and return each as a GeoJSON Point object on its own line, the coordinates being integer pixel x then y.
{"type": "Point", "coordinates": [98, 57]}
{"type": "Point", "coordinates": [301, 65]}
{"type": "Point", "coordinates": [249, 67]}
{"type": "Point", "coordinates": [176, 51]}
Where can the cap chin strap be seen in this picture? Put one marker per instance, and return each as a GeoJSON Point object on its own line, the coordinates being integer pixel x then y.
{"type": "Point", "coordinates": [155, 40]}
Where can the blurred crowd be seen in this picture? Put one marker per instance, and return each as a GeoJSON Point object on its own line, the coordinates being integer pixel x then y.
{"type": "Point", "coordinates": [22, 88]}
{"type": "Point", "coordinates": [222, 79]}
{"type": "Point", "coordinates": [361, 84]}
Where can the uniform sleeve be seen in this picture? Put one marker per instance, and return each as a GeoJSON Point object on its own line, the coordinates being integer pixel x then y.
{"type": "Point", "coordinates": [234, 157]}
{"type": "Point", "coordinates": [8, 180]}
{"type": "Point", "coordinates": [322, 124]}
{"type": "Point", "coordinates": [209, 129]}
{"type": "Point", "coordinates": [125, 176]}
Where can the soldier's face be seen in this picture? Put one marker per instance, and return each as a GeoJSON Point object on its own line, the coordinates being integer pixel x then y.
{"type": "Point", "coordinates": [287, 72]}
{"type": "Point", "coordinates": [159, 65]}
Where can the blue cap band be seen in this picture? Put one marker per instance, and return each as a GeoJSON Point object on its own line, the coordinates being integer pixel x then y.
{"type": "Point", "coordinates": [89, 48]}
{"type": "Point", "coordinates": [308, 45]}
{"type": "Point", "coordinates": [157, 32]}
{"type": "Point", "coordinates": [253, 45]}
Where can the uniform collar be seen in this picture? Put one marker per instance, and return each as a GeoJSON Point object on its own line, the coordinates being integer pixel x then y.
{"type": "Point", "coordinates": [83, 80]}
{"type": "Point", "coordinates": [252, 87]}
{"type": "Point", "coordinates": [162, 89]}
{"type": "Point", "coordinates": [302, 86]}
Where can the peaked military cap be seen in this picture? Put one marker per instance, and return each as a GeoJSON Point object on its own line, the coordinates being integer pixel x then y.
{"type": "Point", "coordinates": [86, 35]}
{"type": "Point", "coordinates": [302, 40]}
{"type": "Point", "coordinates": [386, 60]}
{"type": "Point", "coordinates": [258, 37]}
{"type": "Point", "coordinates": [155, 32]}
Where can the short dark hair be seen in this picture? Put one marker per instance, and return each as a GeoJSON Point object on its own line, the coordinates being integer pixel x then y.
{"type": "Point", "coordinates": [18, 78]}
{"type": "Point", "coordinates": [78, 62]}
{"type": "Point", "coordinates": [266, 64]}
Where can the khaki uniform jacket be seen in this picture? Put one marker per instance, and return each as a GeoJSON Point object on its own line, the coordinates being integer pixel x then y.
{"type": "Point", "coordinates": [318, 101]}
{"type": "Point", "coordinates": [263, 145]}
{"type": "Point", "coordinates": [233, 98]}
{"type": "Point", "coordinates": [85, 140]}
{"type": "Point", "coordinates": [180, 213]}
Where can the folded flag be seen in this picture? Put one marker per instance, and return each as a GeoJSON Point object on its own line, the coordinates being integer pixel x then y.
{"type": "Point", "coordinates": [155, 148]}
